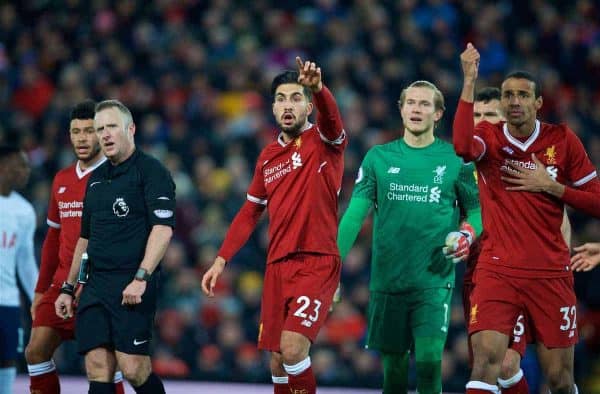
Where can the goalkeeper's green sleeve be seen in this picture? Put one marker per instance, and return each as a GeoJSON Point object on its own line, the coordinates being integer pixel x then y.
{"type": "Point", "coordinates": [474, 219]}
{"type": "Point", "coordinates": [351, 223]}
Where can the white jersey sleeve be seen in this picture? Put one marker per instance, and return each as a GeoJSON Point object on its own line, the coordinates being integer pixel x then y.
{"type": "Point", "coordinates": [17, 225]}
{"type": "Point", "coordinates": [27, 269]}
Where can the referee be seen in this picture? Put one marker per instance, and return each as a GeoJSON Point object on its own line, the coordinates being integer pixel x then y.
{"type": "Point", "coordinates": [127, 223]}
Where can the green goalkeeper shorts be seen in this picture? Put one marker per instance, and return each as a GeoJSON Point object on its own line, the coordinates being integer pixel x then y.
{"type": "Point", "coordinates": [395, 319]}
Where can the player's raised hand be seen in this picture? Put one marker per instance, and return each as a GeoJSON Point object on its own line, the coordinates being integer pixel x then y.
{"type": "Point", "coordinates": [209, 280]}
{"type": "Point", "coordinates": [310, 75]}
{"type": "Point", "coordinates": [587, 257]}
{"type": "Point", "coordinates": [469, 60]}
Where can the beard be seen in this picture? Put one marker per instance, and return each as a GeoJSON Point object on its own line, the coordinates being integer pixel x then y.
{"type": "Point", "coordinates": [93, 152]}
{"type": "Point", "coordinates": [293, 130]}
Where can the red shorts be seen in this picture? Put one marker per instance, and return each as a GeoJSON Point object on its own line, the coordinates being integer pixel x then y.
{"type": "Point", "coordinates": [297, 294]}
{"type": "Point", "coordinates": [548, 304]}
{"type": "Point", "coordinates": [520, 337]}
{"type": "Point", "coordinates": [45, 315]}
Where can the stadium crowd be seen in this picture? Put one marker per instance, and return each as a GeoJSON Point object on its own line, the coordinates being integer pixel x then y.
{"type": "Point", "coordinates": [196, 76]}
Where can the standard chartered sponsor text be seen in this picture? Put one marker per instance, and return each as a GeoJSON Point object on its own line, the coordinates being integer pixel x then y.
{"type": "Point", "coordinates": [70, 204]}
{"type": "Point", "coordinates": [70, 214]}
{"type": "Point", "coordinates": [273, 173]}
{"type": "Point", "coordinates": [70, 209]}
{"type": "Point", "coordinates": [411, 193]}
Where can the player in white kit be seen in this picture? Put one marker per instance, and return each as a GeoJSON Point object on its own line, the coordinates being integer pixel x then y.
{"type": "Point", "coordinates": [17, 225]}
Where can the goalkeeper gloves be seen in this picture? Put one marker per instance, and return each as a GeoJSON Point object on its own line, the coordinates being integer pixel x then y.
{"type": "Point", "coordinates": [458, 243]}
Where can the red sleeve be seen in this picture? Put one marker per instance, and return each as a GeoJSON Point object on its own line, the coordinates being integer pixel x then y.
{"type": "Point", "coordinates": [329, 120]}
{"type": "Point", "coordinates": [585, 193]}
{"type": "Point", "coordinates": [463, 133]}
{"type": "Point", "coordinates": [50, 247]}
{"type": "Point", "coordinates": [585, 199]}
{"type": "Point", "coordinates": [242, 226]}
{"type": "Point", "coordinates": [49, 260]}
{"type": "Point", "coordinates": [53, 217]}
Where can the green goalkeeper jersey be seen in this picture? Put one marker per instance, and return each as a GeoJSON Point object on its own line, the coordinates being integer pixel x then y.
{"type": "Point", "coordinates": [417, 195]}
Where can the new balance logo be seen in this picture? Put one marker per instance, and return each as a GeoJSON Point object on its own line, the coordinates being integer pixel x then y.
{"type": "Point", "coordinates": [296, 160]}
{"type": "Point", "coordinates": [306, 323]}
{"type": "Point", "coordinates": [508, 150]}
{"type": "Point", "coordinates": [393, 170]}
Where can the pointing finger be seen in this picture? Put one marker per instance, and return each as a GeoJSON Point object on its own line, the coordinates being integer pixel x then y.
{"type": "Point", "coordinates": [299, 62]}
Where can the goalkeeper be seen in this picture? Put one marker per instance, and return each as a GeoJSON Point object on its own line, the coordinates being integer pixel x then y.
{"type": "Point", "coordinates": [417, 186]}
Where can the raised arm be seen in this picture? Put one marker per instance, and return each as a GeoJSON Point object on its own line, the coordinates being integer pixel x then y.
{"type": "Point", "coordinates": [329, 119]}
{"type": "Point", "coordinates": [465, 143]}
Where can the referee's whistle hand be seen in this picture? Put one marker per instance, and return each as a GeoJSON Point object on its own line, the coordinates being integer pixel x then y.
{"type": "Point", "coordinates": [132, 295]}
{"type": "Point", "coordinates": [209, 280]}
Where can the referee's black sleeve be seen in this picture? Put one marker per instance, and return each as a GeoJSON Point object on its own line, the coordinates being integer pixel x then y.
{"type": "Point", "coordinates": [85, 215]}
{"type": "Point", "coordinates": [159, 193]}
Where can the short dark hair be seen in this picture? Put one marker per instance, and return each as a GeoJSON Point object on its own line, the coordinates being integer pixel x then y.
{"type": "Point", "coordinates": [86, 109]}
{"type": "Point", "coordinates": [289, 76]}
{"type": "Point", "coordinates": [8, 149]}
{"type": "Point", "coordinates": [488, 94]}
{"type": "Point", "coordinates": [521, 74]}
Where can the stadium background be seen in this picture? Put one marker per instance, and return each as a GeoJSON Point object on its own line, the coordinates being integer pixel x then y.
{"type": "Point", "coordinates": [196, 75]}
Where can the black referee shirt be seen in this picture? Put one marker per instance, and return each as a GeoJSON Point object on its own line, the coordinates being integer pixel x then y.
{"type": "Point", "coordinates": [121, 205]}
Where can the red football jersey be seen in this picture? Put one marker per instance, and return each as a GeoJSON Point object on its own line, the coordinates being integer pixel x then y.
{"type": "Point", "coordinates": [522, 234]}
{"type": "Point", "coordinates": [299, 183]}
{"type": "Point", "coordinates": [64, 213]}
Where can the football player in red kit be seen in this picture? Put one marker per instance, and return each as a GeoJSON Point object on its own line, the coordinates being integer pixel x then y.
{"type": "Point", "coordinates": [528, 169]}
{"type": "Point", "coordinates": [297, 178]}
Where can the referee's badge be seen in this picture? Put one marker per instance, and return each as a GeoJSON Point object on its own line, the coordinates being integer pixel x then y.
{"type": "Point", "coordinates": [120, 207]}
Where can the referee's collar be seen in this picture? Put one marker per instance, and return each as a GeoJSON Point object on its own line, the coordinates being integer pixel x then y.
{"type": "Point", "coordinates": [123, 167]}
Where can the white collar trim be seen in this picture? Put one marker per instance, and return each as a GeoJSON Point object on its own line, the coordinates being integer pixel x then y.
{"type": "Point", "coordinates": [522, 145]}
{"type": "Point", "coordinates": [307, 126]}
{"type": "Point", "coordinates": [81, 173]}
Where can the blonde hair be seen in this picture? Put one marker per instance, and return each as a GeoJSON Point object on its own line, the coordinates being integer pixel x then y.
{"type": "Point", "coordinates": [438, 97]}
{"type": "Point", "coordinates": [125, 112]}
